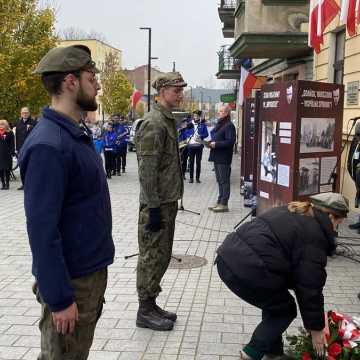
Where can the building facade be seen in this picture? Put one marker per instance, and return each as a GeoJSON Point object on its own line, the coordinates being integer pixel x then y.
{"type": "Point", "coordinates": [339, 62]}
{"type": "Point", "coordinates": [273, 35]}
{"type": "Point", "coordinates": [99, 51]}
{"type": "Point", "coordinates": [139, 78]}
{"type": "Point", "coordinates": [269, 38]}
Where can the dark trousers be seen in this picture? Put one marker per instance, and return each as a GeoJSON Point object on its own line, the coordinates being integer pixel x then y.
{"type": "Point", "coordinates": [278, 311]}
{"type": "Point", "coordinates": [109, 161]}
{"type": "Point", "coordinates": [184, 159]}
{"type": "Point", "coordinates": [195, 153]}
{"type": "Point", "coordinates": [222, 173]}
{"type": "Point", "coordinates": [120, 159]}
{"type": "Point", "coordinates": [5, 177]}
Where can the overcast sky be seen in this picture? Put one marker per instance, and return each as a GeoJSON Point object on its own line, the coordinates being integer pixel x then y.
{"type": "Point", "coordinates": [185, 31]}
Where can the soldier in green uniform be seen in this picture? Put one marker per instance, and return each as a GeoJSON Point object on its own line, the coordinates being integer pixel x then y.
{"type": "Point", "coordinates": [161, 186]}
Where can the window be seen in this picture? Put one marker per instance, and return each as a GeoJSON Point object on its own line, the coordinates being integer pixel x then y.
{"type": "Point", "coordinates": [339, 57]}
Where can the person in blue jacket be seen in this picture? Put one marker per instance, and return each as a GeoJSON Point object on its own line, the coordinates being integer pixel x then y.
{"type": "Point", "coordinates": [67, 207]}
{"type": "Point", "coordinates": [109, 149]}
{"type": "Point", "coordinates": [195, 146]}
{"type": "Point", "coordinates": [122, 138]}
{"type": "Point", "coordinates": [183, 137]}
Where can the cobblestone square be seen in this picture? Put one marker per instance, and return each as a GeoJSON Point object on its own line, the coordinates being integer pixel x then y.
{"type": "Point", "coordinates": [212, 323]}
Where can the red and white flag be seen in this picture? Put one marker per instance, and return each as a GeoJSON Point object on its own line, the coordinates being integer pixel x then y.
{"type": "Point", "coordinates": [348, 15]}
{"type": "Point", "coordinates": [247, 82]}
{"type": "Point", "coordinates": [322, 12]}
{"type": "Point", "coordinates": [135, 98]}
{"type": "Point", "coordinates": [357, 11]}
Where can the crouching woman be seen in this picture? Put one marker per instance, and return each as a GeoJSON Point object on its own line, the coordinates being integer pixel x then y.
{"type": "Point", "coordinates": [284, 248]}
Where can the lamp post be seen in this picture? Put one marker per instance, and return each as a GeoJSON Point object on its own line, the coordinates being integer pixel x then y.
{"type": "Point", "coordinates": [191, 97]}
{"type": "Point", "coordinates": [149, 65]}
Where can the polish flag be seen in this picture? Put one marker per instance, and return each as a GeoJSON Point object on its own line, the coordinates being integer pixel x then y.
{"type": "Point", "coordinates": [135, 98]}
{"type": "Point", "coordinates": [322, 12]}
{"type": "Point", "coordinates": [247, 82]}
{"type": "Point", "coordinates": [348, 15]}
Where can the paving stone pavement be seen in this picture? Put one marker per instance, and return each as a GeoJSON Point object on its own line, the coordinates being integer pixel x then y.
{"type": "Point", "coordinates": [212, 323]}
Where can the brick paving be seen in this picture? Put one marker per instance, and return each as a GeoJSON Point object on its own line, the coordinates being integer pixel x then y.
{"type": "Point", "coordinates": [212, 323]}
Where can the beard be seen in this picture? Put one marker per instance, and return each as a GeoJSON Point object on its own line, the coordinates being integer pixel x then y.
{"type": "Point", "coordinates": [85, 102]}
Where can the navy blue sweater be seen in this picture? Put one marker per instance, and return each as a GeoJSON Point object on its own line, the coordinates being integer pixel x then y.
{"type": "Point", "coordinates": [67, 206]}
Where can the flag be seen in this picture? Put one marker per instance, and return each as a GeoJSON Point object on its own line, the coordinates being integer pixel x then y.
{"type": "Point", "coordinates": [247, 82]}
{"type": "Point", "coordinates": [135, 98]}
{"type": "Point", "coordinates": [322, 12]}
{"type": "Point", "coordinates": [348, 15]}
{"type": "Point", "coordinates": [357, 11]}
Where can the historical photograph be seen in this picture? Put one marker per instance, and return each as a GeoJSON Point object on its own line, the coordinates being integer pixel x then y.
{"type": "Point", "coordinates": [309, 176]}
{"type": "Point", "coordinates": [317, 135]}
{"type": "Point", "coordinates": [268, 152]}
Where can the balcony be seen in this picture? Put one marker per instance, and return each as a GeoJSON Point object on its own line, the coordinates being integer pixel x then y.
{"type": "Point", "coordinates": [260, 45]}
{"type": "Point", "coordinates": [229, 68]}
{"type": "Point", "coordinates": [227, 16]}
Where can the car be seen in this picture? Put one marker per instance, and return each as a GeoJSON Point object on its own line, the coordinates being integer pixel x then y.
{"type": "Point", "coordinates": [135, 126]}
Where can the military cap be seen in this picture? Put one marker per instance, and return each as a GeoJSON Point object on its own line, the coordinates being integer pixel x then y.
{"type": "Point", "coordinates": [334, 202]}
{"type": "Point", "coordinates": [169, 79]}
{"type": "Point", "coordinates": [66, 59]}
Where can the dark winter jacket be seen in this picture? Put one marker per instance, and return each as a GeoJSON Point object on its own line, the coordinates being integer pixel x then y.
{"type": "Point", "coordinates": [280, 250]}
{"type": "Point", "coordinates": [224, 136]}
{"type": "Point", "coordinates": [23, 129]}
{"type": "Point", "coordinates": [67, 206]}
{"type": "Point", "coordinates": [354, 157]}
{"type": "Point", "coordinates": [7, 150]}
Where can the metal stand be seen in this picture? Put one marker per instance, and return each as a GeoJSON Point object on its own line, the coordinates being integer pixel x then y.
{"type": "Point", "coordinates": [251, 213]}
{"type": "Point", "coordinates": [181, 208]}
{"type": "Point", "coordinates": [333, 176]}
{"type": "Point", "coordinates": [137, 254]}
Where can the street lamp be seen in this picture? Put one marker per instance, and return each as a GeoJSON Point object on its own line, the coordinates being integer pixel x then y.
{"type": "Point", "coordinates": [149, 65]}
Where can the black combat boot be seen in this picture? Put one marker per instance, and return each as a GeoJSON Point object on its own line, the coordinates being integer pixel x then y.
{"type": "Point", "coordinates": [163, 313]}
{"type": "Point", "coordinates": [148, 317]}
{"type": "Point", "coordinates": [3, 186]}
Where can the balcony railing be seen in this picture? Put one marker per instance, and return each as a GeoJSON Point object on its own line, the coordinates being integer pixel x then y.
{"type": "Point", "coordinates": [228, 4]}
{"type": "Point", "coordinates": [226, 61]}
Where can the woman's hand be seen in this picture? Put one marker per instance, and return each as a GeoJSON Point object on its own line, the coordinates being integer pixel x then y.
{"type": "Point", "coordinates": [319, 342]}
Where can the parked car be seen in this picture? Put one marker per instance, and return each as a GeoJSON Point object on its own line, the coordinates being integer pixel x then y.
{"type": "Point", "coordinates": [135, 126]}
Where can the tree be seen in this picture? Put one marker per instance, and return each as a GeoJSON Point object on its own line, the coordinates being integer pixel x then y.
{"type": "Point", "coordinates": [116, 88]}
{"type": "Point", "coordinates": [26, 35]}
{"type": "Point", "coordinates": [73, 33]}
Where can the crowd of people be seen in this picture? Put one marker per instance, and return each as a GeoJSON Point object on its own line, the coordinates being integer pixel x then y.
{"type": "Point", "coordinates": [69, 218]}
{"type": "Point", "coordinates": [111, 139]}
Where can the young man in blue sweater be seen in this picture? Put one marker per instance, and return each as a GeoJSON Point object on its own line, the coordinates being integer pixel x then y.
{"type": "Point", "coordinates": [67, 206]}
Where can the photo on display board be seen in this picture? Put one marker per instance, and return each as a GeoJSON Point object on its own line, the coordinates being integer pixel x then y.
{"type": "Point", "coordinates": [309, 176]}
{"type": "Point", "coordinates": [268, 152]}
{"type": "Point", "coordinates": [317, 135]}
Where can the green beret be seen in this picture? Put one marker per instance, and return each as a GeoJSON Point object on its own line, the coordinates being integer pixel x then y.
{"type": "Point", "coordinates": [66, 59]}
{"type": "Point", "coordinates": [334, 202]}
{"type": "Point", "coordinates": [169, 79]}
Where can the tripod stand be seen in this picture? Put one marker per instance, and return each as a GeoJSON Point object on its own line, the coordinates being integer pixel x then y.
{"type": "Point", "coordinates": [333, 176]}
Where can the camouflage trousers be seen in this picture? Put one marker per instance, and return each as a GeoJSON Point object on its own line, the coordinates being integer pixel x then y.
{"type": "Point", "coordinates": [89, 298]}
{"type": "Point", "coordinates": [155, 250]}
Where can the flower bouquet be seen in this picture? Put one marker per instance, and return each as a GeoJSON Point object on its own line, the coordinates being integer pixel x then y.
{"type": "Point", "coordinates": [343, 339]}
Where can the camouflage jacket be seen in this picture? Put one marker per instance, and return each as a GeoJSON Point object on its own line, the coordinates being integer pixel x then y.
{"type": "Point", "coordinates": [158, 158]}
